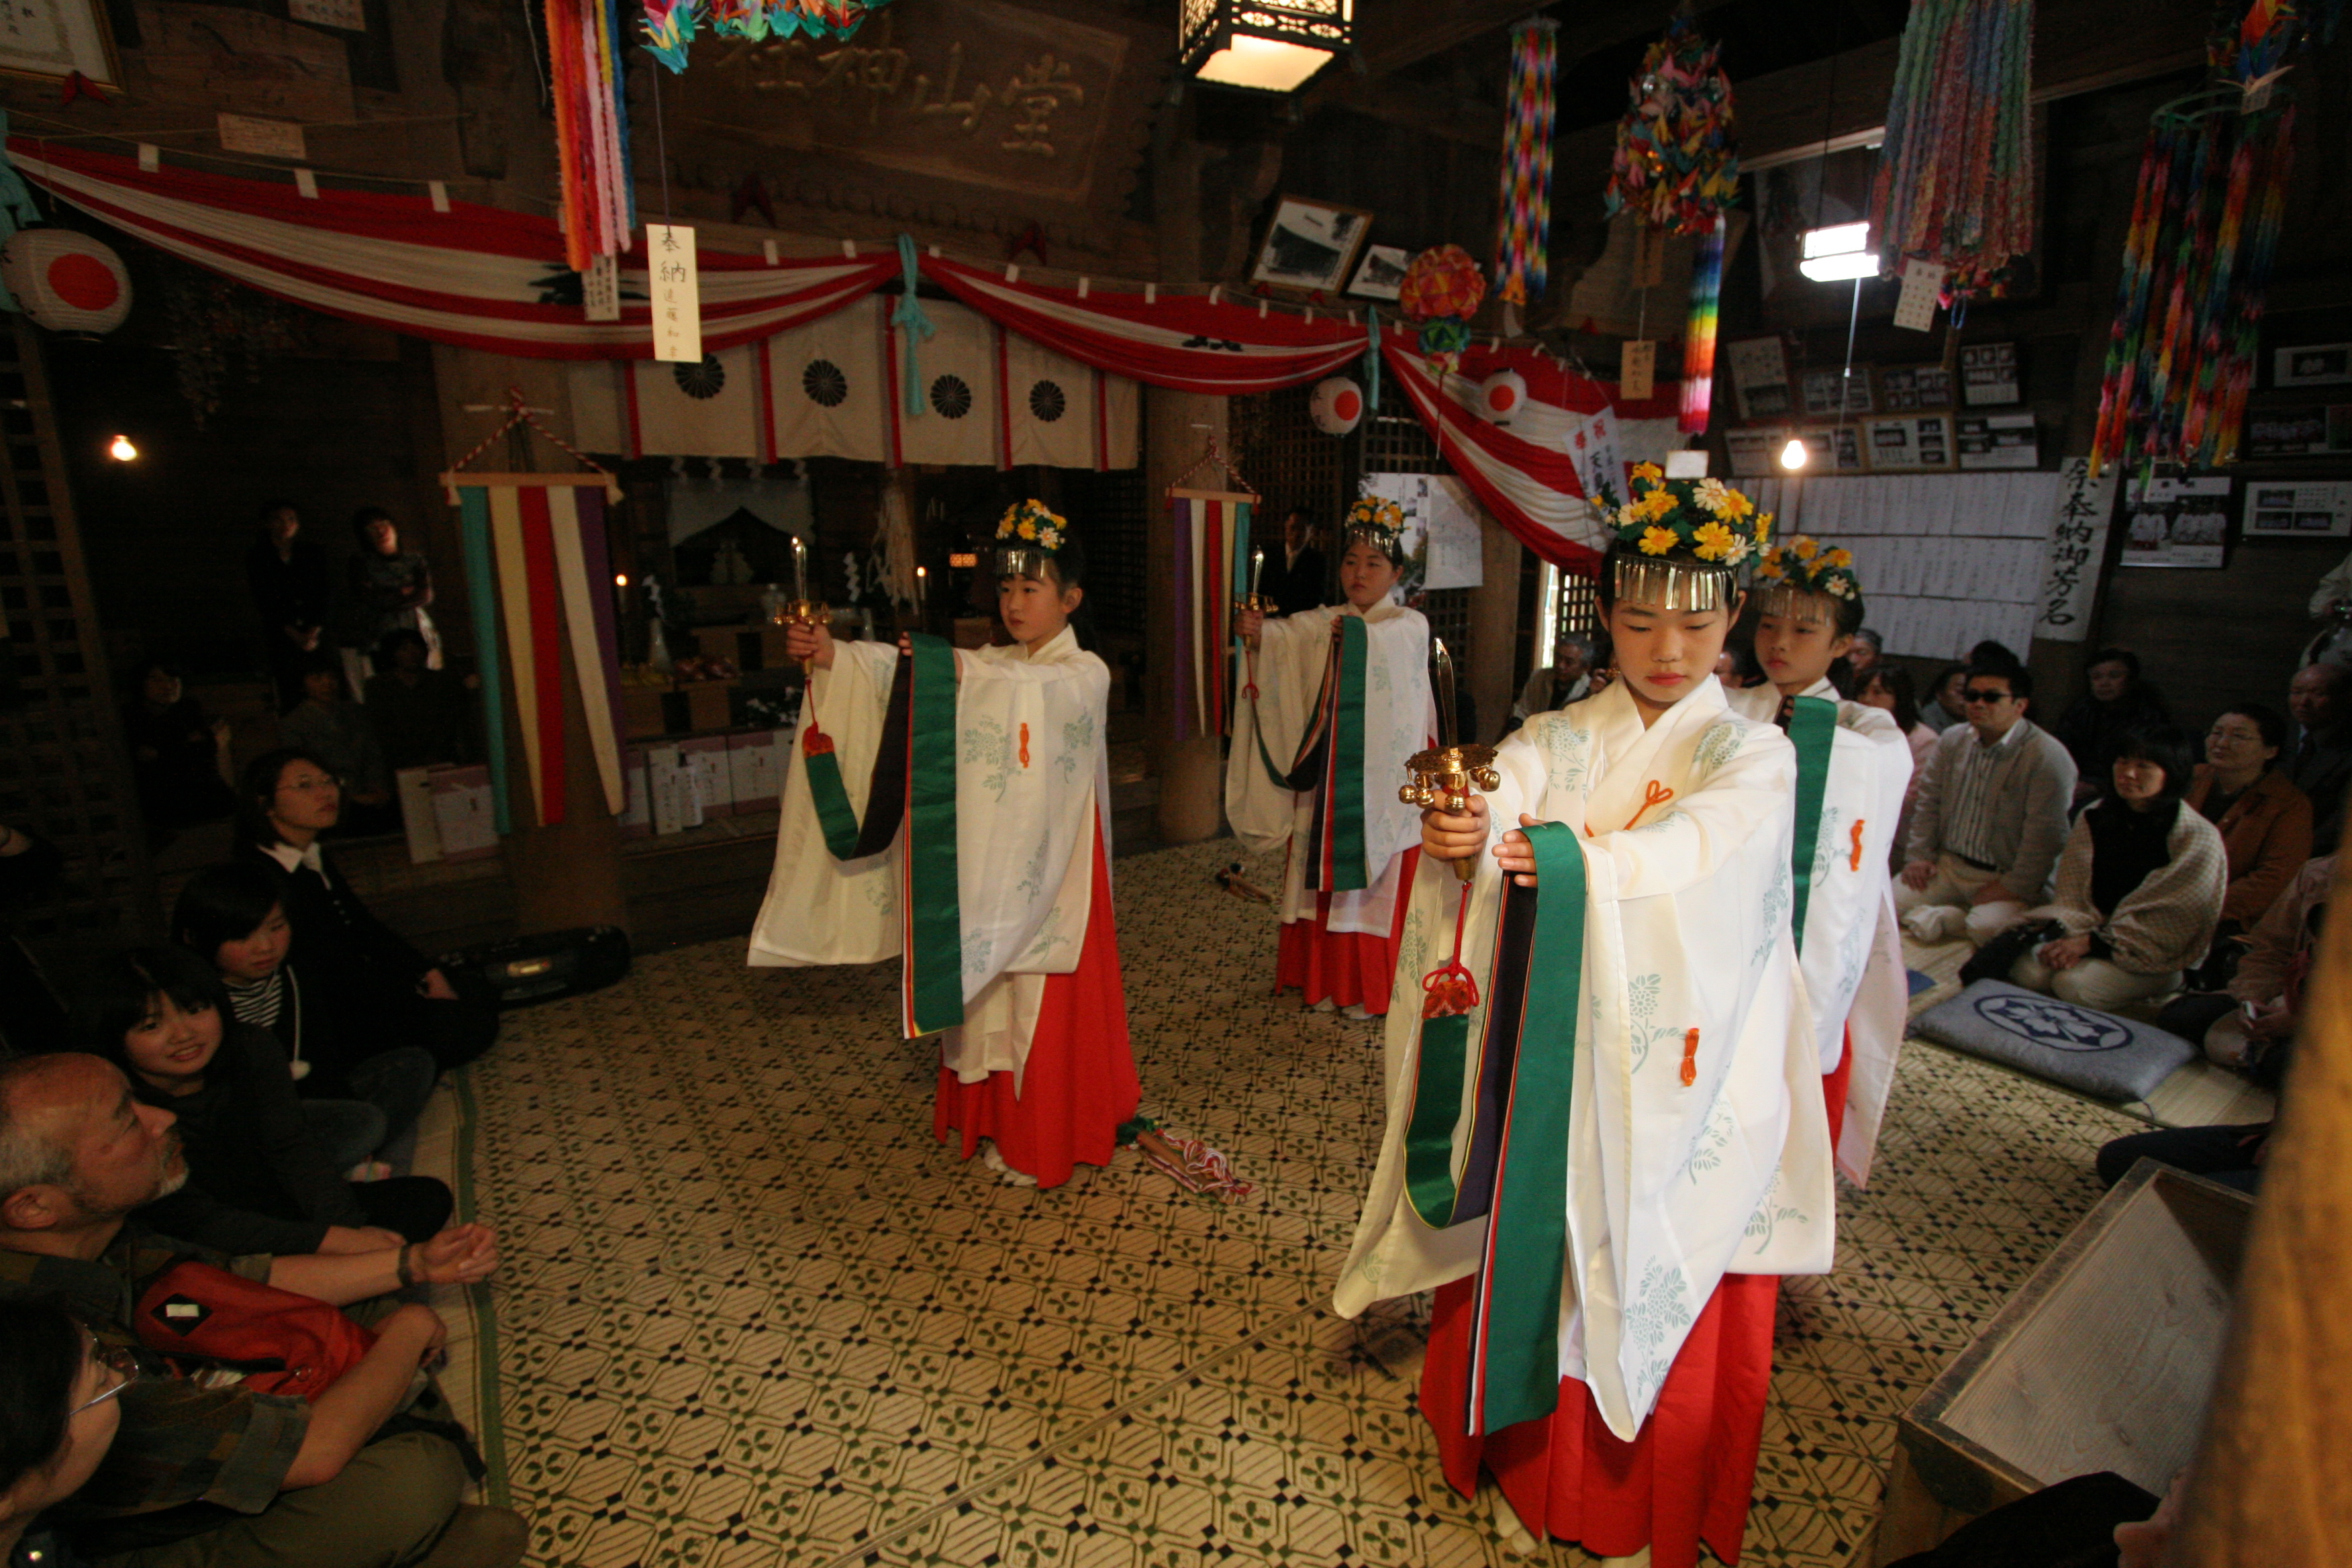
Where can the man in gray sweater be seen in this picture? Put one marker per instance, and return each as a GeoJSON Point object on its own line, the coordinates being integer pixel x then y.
{"type": "Point", "coordinates": [1990, 816]}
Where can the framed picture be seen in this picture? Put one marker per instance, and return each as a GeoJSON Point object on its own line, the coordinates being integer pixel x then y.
{"type": "Point", "coordinates": [2313, 364]}
{"type": "Point", "coordinates": [1904, 387]}
{"type": "Point", "coordinates": [1759, 375]}
{"type": "Point", "coordinates": [1916, 443]}
{"type": "Point", "coordinates": [1820, 392]}
{"type": "Point", "coordinates": [54, 38]}
{"type": "Point", "coordinates": [1989, 375]}
{"type": "Point", "coordinates": [1310, 246]}
{"type": "Point", "coordinates": [1832, 448]}
{"type": "Point", "coordinates": [1381, 274]}
{"type": "Point", "coordinates": [1997, 441]}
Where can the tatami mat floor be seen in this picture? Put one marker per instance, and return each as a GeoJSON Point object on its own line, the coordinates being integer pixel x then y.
{"type": "Point", "coordinates": [753, 1314]}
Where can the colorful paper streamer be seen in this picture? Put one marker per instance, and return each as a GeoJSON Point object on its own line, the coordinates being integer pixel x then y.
{"type": "Point", "coordinates": [1522, 246]}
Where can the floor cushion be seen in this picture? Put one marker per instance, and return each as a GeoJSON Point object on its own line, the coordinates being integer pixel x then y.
{"type": "Point", "coordinates": [2097, 1053]}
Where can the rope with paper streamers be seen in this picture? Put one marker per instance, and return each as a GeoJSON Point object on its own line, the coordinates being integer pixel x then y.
{"type": "Point", "coordinates": [592, 129]}
{"type": "Point", "coordinates": [1522, 246]}
{"type": "Point", "coordinates": [1677, 170]}
{"type": "Point", "coordinates": [670, 25]}
{"type": "Point", "coordinates": [1955, 179]}
{"type": "Point", "coordinates": [2197, 257]}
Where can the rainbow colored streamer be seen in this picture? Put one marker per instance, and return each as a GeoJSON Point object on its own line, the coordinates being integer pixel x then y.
{"type": "Point", "coordinates": [592, 129]}
{"type": "Point", "coordinates": [1698, 339]}
{"type": "Point", "coordinates": [1522, 246]}
{"type": "Point", "coordinates": [1955, 180]}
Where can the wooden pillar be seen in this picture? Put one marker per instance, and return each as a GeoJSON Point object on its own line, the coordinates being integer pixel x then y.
{"type": "Point", "coordinates": [1191, 771]}
{"type": "Point", "coordinates": [1493, 674]}
{"type": "Point", "coordinates": [567, 874]}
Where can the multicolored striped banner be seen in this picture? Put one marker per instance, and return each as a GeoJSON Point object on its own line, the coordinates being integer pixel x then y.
{"type": "Point", "coordinates": [1213, 546]}
{"type": "Point", "coordinates": [1523, 243]}
{"type": "Point", "coordinates": [538, 569]}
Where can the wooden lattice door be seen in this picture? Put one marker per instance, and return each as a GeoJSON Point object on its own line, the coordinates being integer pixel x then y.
{"type": "Point", "coordinates": [63, 773]}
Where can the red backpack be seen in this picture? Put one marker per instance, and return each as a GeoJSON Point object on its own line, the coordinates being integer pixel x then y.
{"type": "Point", "coordinates": [282, 1342]}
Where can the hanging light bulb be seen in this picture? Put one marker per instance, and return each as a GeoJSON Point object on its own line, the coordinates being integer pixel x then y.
{"type": "Point", "coordinates": [1793, 454]}
{"type": "Point", "coordinates": [122, 450]}
{"type": "Point", "coordinates": [620, 579]}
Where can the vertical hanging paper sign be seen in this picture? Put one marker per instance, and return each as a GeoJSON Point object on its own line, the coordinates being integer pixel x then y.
{"type": "Point", "coordinates": [1649, 256]}
{"type": "Point", "coordinates": [600, 291]}
{"type": "Point", "coordinates": [1923, 281]}
{"type": "Point", "coordinates": [677, 307]}
{"type": "Point", "coordinates": [1637, 370]}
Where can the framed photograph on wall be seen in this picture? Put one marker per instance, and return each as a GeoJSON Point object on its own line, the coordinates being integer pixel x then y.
{"type": "Point", "coordinates": [1903, 387]}
{"type": "Point", "coordinates": [1989, 375]}
{"type": "Point", "coordinates": [54, 38]}
{"type": "Point", "coordinates": [1821, 388]}
{"type": "Point", "coordinates": [1918, 443]}
{"type": "Point", "coordinates": [1381, 274]}
{"type": "Point", "coordinates": [2313, 364]}
{"type": "Point", "coordinates": [1310, 246]}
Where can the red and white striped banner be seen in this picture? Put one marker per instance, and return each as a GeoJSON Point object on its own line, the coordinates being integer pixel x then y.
{"type": "Point", "coordinates": [471, 275]}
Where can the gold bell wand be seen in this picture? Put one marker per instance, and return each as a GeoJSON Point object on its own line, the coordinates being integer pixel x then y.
{"type": "Point", "coordinates": [1444, 777]}
{"type": "Point", "coordinates": [803, 610]}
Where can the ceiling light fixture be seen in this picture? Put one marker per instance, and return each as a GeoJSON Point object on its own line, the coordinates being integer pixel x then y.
{"type": "Point", "coordinates": [1264, 46]}
{"type": "Point", "coordinates": [1793, 454]}
{"type": "Point", "coordinates": [122, 450]}
{"type": "Point", "coordinates": [1838, 252]}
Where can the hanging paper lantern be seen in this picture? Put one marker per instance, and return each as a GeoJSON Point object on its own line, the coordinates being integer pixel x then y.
{"type": "Point", "coordinates": [1502, 394]}
{"type": "Point", "coordinates": [1337, 405]}
{"type": "Point", "coordinates": [1443, 290]}
{"type": "Point", "coordinates": [66, 282]}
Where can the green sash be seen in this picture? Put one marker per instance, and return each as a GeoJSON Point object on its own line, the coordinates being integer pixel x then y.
{"type": "Point", "coordinates": [913, 781]}
{"type": "Point", "coordinates": [1812, 728]}
{"type": "Point", "coordinates": [1331, 762]}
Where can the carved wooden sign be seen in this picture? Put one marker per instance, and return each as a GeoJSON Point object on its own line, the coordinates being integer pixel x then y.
{"type": "Point", "coordinates": [979, 93]}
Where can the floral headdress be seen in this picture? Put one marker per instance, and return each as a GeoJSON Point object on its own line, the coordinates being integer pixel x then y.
{"type": "Point", "coordinates": [1027, 536]}
{"type": "Point", "coordinates": [1380, 522]}
{"type": "Point", "coordinates": [1684, 539]}
{"type": "Point", "coordinates": [1802, 567]}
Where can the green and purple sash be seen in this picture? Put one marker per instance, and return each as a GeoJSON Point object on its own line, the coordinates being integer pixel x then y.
{"type": "Point", "coordinates": [914, 782]}
{"type": "Point", "coordinates": [1331, 762]}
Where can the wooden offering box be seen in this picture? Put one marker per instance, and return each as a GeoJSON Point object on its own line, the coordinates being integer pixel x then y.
{"type": "Point", "coordinates": [2103, 1361]}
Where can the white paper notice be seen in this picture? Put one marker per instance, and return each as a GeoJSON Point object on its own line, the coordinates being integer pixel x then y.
{"type": "Point", "coordinates": [600, 290]}
{"type": "Point", "coordinates": [1637, 369]}
{"type": "Point", "coordinates": [263, 138]}
{"type": "Point", "coordinates": [1441, 527]}
{"type": "Point", "coordinates": [677, 304]}
{"type": "Point", "coordinates": [1923, 281]}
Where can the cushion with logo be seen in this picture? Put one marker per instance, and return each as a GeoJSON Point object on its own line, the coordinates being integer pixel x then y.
{"type": "Point", "coordinates": [2099, 1054]}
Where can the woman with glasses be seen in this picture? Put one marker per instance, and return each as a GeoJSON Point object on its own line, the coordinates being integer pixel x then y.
{"type": "Point", "coordinates": [364, 978]}
{"type": "Point", "coordinates": [2264, 821]}
{"type": "Point", "coordinates": [59, 1416]}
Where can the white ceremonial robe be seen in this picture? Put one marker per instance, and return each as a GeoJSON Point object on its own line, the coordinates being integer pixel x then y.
{"type": "Point", "coordinates": [1853, 954]}
{"type": "Point", "coordinates": [1032, 772]}
{"type": "Point", "coordinates": [1400, 719]}
{"type": "Point", "coordinates": [1686, 926]}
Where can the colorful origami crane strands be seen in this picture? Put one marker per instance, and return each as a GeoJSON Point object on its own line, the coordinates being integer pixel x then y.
{"type": "Point", "coordinates": [2197, 259]}
{"type": "Point", "coordinates": [1522, 247]}
{"type": "Point", "coordinates": [671, 25]}
{"type": "Point", "coordinates": [1677, 170]}
{"type": "Point", "coordinates": [592, 129]}
{"type": "Point", "coordinates": [1955, 181]}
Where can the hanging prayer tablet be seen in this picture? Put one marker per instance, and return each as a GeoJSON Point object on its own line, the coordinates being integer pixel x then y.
{"type": "Point", "coordinates": [1637, 369]}
{"type": "Point", "coordinates": [1923, 281]}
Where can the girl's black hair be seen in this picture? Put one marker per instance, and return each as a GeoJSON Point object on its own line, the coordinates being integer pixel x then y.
{"type": "Point", "coordinates": [2269, 720]}
{"type": "Point", "coordinates": [367, 515]}
{"type": "Point", "coordinates": [1605, 590]}
{"type": "Point", "coordinates": [121, 989]}
{"type": "Point", "coordinates": [40, 1359]}
{"type": "Point", "coordinates": [1069, 568]}
{"type": "Point", "coordinates": [226, 903]}
{"type": "Point", "coordinates": [1393, 548]}
{"type": "Point", "coordinates": [258, 788]}
{"type": "Point", "coordinates": [2166, 745]}
{"type": "Point", "coordinates": [1899, 686]}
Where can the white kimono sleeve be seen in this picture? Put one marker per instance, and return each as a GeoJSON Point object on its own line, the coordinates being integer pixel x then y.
{"type": "Point", "coordinates": [819, 909]}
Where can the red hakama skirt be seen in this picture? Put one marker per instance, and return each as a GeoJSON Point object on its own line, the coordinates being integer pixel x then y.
{"type": "Point", "coordinates": [1079, 1084]}
{"type": "Point", "coordinates": [1834, 1086]}
{"type": "Point", "coordinates": [1348, 968]}
{"type": "Point", "coordinates": [1684, 1478]}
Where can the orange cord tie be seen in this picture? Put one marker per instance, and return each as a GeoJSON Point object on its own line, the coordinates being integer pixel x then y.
{"type": "Point", "coordinates": [1655, 794]}
{"type": "Point", "coordinates": [1690, 1058]}
{"type": "Point", "coordinates": [1854, 862]}
{"type": "Point", "coordinates": [1024, 745]}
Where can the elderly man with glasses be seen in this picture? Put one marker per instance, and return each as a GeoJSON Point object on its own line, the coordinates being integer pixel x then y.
{"type": "Point", "coordinates": [1990, 816]}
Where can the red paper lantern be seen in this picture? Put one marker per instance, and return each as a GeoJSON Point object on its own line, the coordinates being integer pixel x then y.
{"type": "Point", "coordinates": [1502, 394]}
{"type": "Point", "coordinates": [1337, 405]}
{"type": "Point", "coordinates": [66, 282]}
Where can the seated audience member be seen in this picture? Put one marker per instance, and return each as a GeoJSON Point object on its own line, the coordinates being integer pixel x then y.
{"type": "Point", "coordinates": [2252, 1023]}
{"type": "Point", "coordinates": [235, 915]}
{"type": "Point", "coordinates": [366, 1475]}
{"type": "Point", "coordinates": [2139, 886]}
{"type": "Point", "coordinates": [391, 587]}
{"type": "Point", "coordinates": [2320, 699]}
{"type": "Point", "coordinates": [419, 714]}
{"type": "Point", "coordinates": [333, 728]}
{"type": "Point", "coordinates": [1568, 680]}
{"type": "Point", "coordinates": [1888, 687]}
{"type": "Point", "coordinates": [358, 973]}
{"type": "Point", "coordinates": [1944, 706]}
{"type": "Point", "coordinates": [1868, 651]}
{"type": "Point", "coordinates": [2264, 821]}
{"type": "Point", "coordinates": [258, 1179]}
{"type": "Point", "coordinates": [1989, 652]}
{"type": "Point", "coordinates": [32, 1015]}
{"type": "Point", "coordinates": [1989, 816]}
{"type": "Point", "coordinates": [59, 1414]}
{"type": "Point", "coordinates": [176, 753]}
{"type": "Point", "coordinates": [2118, 701]}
